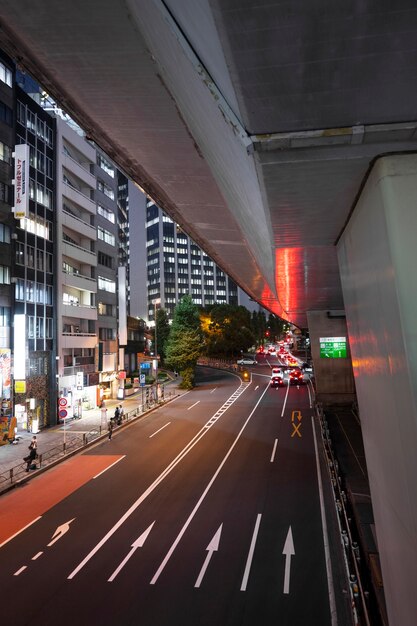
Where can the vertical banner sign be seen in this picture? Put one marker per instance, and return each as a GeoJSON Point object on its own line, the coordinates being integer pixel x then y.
{"type": "Point", "coordinates": [21, 181]}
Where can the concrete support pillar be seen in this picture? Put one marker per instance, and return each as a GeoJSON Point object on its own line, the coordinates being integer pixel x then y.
{"type": "Point", "coordinates": [378, 264]}
{"type": "Point", "coordinates": [333, 376]}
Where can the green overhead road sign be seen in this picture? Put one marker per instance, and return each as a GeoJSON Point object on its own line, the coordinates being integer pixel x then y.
{"type": "Point", "coordinates": [333, 348]}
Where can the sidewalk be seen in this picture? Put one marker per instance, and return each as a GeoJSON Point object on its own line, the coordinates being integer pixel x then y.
{"type": "Point", "coordinates": [11, 455]}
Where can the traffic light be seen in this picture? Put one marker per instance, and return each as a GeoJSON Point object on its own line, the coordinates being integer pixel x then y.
{"type": "Point", "coordinates": [267, 333]}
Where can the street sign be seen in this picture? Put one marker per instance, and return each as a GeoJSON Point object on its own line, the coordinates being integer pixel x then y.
{"type": "Point", "coordinates": [62, 402]}
{"type": "Point", "coordinates": [145, 366]}
{"type": "Point", "coordinates": [142, 380]}
{"type": "Point", "coordinates": [63, 413]}
{"type": "Point", "coordinates": [333, 348]}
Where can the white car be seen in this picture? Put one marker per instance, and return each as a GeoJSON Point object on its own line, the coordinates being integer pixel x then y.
{"type": "Point", "coordinates": [247, 361]}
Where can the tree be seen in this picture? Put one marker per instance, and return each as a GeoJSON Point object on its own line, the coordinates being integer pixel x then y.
{"type": "Point", "coordinates": [163, 329]}
{"type": "Point", "coordinates": [184, 345]}
{"type": "Point", "coordinates": [227, 329]}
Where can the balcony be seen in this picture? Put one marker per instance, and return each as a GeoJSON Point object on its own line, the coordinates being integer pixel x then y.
{"type": "Point", "coordinates": [78, 225]}
{"type": "Point", "coordinates": [78, 340]}
{"type": "Point", "coordinates": [79, 281]}
{"type": "Point", "coordinates": [78, 170]}
{"type": "Point", "coordinates": [82, 255]}
{"type": "Point", "coordinates": [72, 371]}
{"type": "Point", "coordinates": [80, 312]}
{"type": "Point", "coordinates": [78, 198]}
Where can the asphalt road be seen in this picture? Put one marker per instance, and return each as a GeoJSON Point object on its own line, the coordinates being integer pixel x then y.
{"type": "Point", "coordinates": [206, 512]}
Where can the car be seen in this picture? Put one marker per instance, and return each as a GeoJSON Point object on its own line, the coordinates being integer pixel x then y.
{"type": "Point", "coordinates": [276, 381]}
{"type": "Point", "coordinates": [306, 367]}
{"type": "Point", "coordinates": [247, 361]}
{"type": "Point", "coordinates": [276, 370]}
{"type": "Point", "coordinates": [296, 376]}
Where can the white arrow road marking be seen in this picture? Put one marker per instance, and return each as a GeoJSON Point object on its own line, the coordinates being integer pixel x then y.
{"type": "Point", "coordinates": [190, 445]}
{"type": "Point", "coordinates": [60, 532]}
{"type": "Point", "coordinates": [195, 404]}
{"type": "Point", "coordinates": [289, 552]}
{"type": "Point", "coordinates": [250, 554]}
{"type": "Point", "coordinates": [135, 545]}
{"type": "Point", "coordinates": [213, 546]}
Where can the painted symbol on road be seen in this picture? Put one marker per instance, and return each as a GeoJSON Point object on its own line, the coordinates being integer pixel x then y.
{"type": "Point", "coordinates": [289, 552]}
{"type": "Point", "coordinates": [213, 546]}
{"type": "Point", "coordinates": [296, 415]}
{"type": "Point", "coordinates": [60, 532]}
{"type": "Point", "coordinates": [135, 545]}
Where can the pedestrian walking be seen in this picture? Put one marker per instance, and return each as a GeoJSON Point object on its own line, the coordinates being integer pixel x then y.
{"type": "Point", "coordinates": [110, 428]}
{"type": "Point", "coordinates": [121, 414]}
{"type": "Point", "coordinates": [117, 415]}
{"type": "Point", "coordinates": [30, 459]}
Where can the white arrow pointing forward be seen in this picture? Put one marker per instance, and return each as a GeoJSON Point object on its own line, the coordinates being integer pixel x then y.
{"type": "Point", "coordinates": [60, 532]}
{"type": "Point", "coordinates": [213, 546]}
{"type": "Point", "coordinates": [289, 552]}
{"type": "Point", "coordinates": [135, 545]}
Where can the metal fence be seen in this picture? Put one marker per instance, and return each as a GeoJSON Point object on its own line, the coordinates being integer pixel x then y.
{"type": "Point", "coordinates": [76, 443]}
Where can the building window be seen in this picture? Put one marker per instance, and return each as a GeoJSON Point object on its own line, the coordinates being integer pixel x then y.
{"type": "Point", "coordinates": [5, 193]}
{"type": "Point", "coordinates": [6, 114]}
{"type": "Point", "coordinates": [5, 74]}
{"type": "Point", "coordinates": [105, 259]}
{"type": "Point", "coordinates": [106, 236]}
{"type": "Point", "coordinates": [105, 165]}
{"type": "Point", "coordinates": [107, 334]}
{"type": "Point", "coordinates": [4, 233]}
{"type": "Point", "coordinates": [37, 226]}
{"type": "Point", "coordinates": [108, 191]}
{"type": "Point", "coordinates": [106, 285]}
{"type": "Point", "coordinates": [5, 153]}
{"type": "Point", "coordinates": [4, 275]}
{"type": "Point", "coordinates": [106, 213]}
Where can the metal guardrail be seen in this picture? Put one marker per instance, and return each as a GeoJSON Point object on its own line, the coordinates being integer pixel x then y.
{"type": "Point", "coordinates": [351, 548]}
{"type": "Point", "coordinates": [75, 443]}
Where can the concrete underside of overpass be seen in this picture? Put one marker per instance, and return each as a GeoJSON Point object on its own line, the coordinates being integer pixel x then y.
{"type": "Point", "coordinates": [254, 127]}
{"type": "Point", "coordinates": [264, 130]}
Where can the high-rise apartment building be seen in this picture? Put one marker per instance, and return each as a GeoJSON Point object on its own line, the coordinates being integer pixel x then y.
{"type": "Point", "coordinates": [175, 266]}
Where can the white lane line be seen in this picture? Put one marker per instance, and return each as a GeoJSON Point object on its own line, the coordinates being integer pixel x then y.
{"type": "Point", "coordinates": [332, 600]}
{"type": "Point", "coordinates": [213, 390]}
{"type": "Point", "coordinates": [309, 394]}
{"type": "Point", "coordinates": [37, 556]}
{"type": "Point", "coordinates": [20, 531]}
{"type": "Point", "coordinates": [250, 554]}
{"type": "Point", "coordinates": [203, 495]}
{"type": "Point", "coordinates": [155, 483]}
{"type": "Point", "coordinates": [193, 405]}
{"type": "Point", "coordinates": [19, 571]}
{"type": "Point", "coordinates": [274, 450]}
{"type": "Point", "coordinates": [159, 430]}
{"type": "Point", "coordinates": [107, 468]}
{"type": "Point", "coordinates": [257, 387]}
{"type": "Point", "coordinates": [285, 400]}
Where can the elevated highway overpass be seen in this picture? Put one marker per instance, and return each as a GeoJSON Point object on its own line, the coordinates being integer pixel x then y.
{"type": "Point", "coordinates": [282, 137]}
